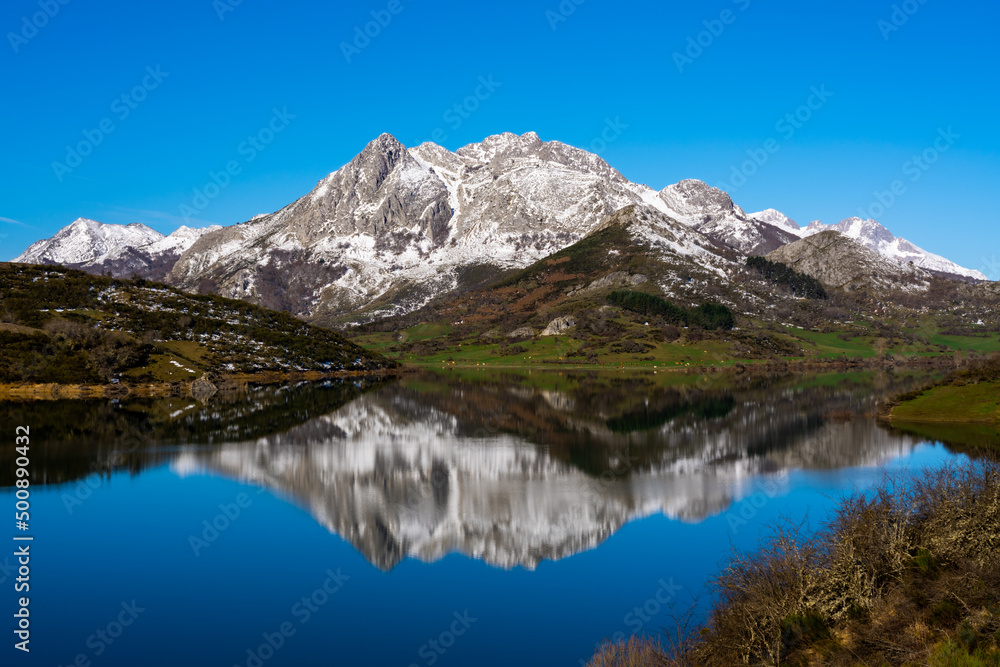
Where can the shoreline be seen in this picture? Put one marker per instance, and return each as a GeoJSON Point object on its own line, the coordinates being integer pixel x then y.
{"type": "Point", "coordinates": [967, 395]}
{"type": "Point", "coordinates": [736, 366]}
{"type": "Point", "coordinates": [42, 391]}
{"type": "Point", "coordinates": [22, 391]}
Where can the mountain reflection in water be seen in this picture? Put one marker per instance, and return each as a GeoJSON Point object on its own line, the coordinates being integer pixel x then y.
{"type": "Point", "coordinates": [500, 469]}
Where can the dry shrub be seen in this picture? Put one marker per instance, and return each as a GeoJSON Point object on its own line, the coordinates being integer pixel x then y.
{"type": "Point", "coordinates": [756, 593]}
{"type": "Point", "coordinates": [632, 652]}
{"type": "Point", "coordinates": [961, 513]}
{"type": "Point", "coordinates": [866, 548]}
{"type": "Point", "coordinates": [913, 553]}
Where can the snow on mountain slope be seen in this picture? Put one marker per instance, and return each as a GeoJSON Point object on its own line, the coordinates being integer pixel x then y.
{"type": "Point", "coordinates": [779, 220]}
{"type": "Point", "coordinates": [396, 225]}
{"type": "Point", "coordinates": [526, 194]}
{"type": "Point", "coordinates": [121, 250]}
{"type": "Point", "coordinates": [713, 213]}
{"type": "Point", "coordinates": [670, 240]}
{"type": "Point", "coordinates": [375, 224]}
{"type": "Point", "coordinates": [840, 261]}
{"type": "Point", "coordinates": [88, 242]}
{"type": "Point", "coordinates": [179, 241]}
{"type": "Point", "coordinates": [875, 236]}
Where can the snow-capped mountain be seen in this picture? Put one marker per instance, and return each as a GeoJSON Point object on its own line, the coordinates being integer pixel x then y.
{"type": "Point", "coordinates": [88, 242]}
{"type": "Point", "coordinates": [122, 250]}
{"type": "Point", "coordinates": [875, 236]}
{"type": "Point", "coordinates": [779, 220]}
{"type": "Point", "coordinates": [839, 261]}
{"type": "Point", "coordinates": [396, 226]}
{"type": "Point", "coordinates": [178, 241]}
{"type": "Point", "coordinates": [871, 234]}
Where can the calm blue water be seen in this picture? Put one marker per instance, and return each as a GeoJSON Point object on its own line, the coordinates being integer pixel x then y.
{"type": "Point", "coordinates": [397, 527]}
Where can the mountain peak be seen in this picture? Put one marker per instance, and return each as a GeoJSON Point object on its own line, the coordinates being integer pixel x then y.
{"type": "Point", "coordinates": [694, 201]}
{"type": "Point", "coordinates": [875, 236]}
{"type": "Point", "coordinates": [384, 144]}
{"type": "Point", "coordinates": [371, 167]}
{"type": "Point", "coordinates": [778, 219]}
{"type": "Point", "coordinates": [385, 139]}
{"type": "Point", "coordinates": [85, 241]}
{"type": "Point", "coordinates": [859, 228]}
{"type": "Point", "coordinates": [692, 193]}
{"type": "Point", "coordinates": [500, 146]}
{"type": "Point", "coordinates": [507, 152]}
{"type": "Point", "coordinates": [712, 212]}
{"type": "Point", "coordinates": [83, 223]}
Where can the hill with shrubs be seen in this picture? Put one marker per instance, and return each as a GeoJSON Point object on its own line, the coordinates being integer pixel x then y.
{"type": "Point", "coordinates": [65, 326]}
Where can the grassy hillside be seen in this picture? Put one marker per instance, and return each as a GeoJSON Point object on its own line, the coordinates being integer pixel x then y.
{"type": "Point", "coordinates": [610, 336]}
{"type": "Point", "coordinates": [635, 306]}
{"type": "Point", "coordinates": [970, 395]}
{"type": "Point", "coordinates": [64, 326]}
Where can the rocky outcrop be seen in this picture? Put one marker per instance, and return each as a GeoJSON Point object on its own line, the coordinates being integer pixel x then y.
{"type": "Point", "coordinates": [612, 281]}
{"type": "Point", "coordinates": [713, 213]}
{"type": "Point", "coordinates": [522, 332]}
{"type": "Point", "coordinates": [559, 325]}
{"type": "Point", "coordinates": [840, 262]}
{"type": "Point", "coordinates": [203, 389]}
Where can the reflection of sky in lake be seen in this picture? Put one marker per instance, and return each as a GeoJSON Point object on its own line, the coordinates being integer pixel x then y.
{"type": "Point", "coordinates": [547, 556]}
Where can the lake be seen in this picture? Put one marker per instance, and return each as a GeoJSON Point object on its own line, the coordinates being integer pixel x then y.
{"type": "Point", "coordinates": [437, 519]}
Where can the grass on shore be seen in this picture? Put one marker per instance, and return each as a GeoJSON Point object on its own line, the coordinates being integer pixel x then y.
{"type": "Point", "coordinates": [969, 395]}
{"type": "Point", "coordinates": [974, 403]}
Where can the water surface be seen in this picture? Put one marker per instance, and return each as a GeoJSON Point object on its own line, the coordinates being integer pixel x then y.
{"type": "Point", "coordinates": [435, 520]}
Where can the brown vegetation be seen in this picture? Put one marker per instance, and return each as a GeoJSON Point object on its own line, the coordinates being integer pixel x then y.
{"type": "Point", "coordinates": [906, 574]}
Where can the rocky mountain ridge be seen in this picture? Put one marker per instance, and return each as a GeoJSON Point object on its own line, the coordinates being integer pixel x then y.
{"type": "Point", "coordinates": [875, 236]}
{"type": "Point", "coordinates": [122, 250]}
{"type": "Point", "coordinates": [839, 261]}
{"type": "Point", "coordinates": [397, 227]}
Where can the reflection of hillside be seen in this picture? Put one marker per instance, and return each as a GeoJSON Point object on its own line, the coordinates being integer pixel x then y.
{"type": "Point", "coordinates": [710, 407]}
{"type": "Point", "coordinates": [975, 440]}
{"type": "Point", "coordinates": [498, 470]}
{"type": "Point", "coordinates": [513, 475]}
{"type": "Point", "coordinates": [598, 420]}
{"type": "Point", "coordinates": [72, 439]}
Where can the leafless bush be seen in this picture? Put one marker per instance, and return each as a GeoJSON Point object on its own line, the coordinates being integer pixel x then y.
{"type": "Point", "coordinates": [914, 552]}
{"type": "Point", "coordinates": [756, 592]}
{"type": "Point", "coordinates": [631, 652]}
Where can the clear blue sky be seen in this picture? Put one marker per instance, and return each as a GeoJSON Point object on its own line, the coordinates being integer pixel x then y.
{"type": "Point", "coordinates": [892, 91]}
